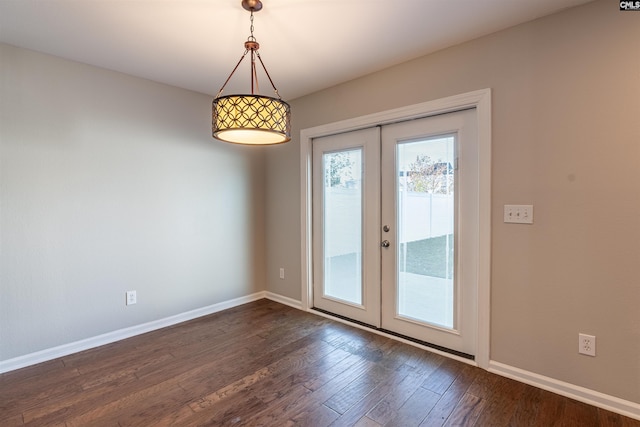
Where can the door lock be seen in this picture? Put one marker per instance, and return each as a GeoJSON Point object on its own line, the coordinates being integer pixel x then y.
{"type": "Point", "coordinates": [385, 244]}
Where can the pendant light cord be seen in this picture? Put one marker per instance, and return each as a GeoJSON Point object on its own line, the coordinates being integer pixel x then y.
{"type": "Point", "coordinates": [251, 45]}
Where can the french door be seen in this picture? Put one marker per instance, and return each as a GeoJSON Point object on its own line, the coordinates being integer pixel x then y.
{"type": "Point", "coordinates": [346, 212]}
{"type": "Point", "coordinates": [395, 231]}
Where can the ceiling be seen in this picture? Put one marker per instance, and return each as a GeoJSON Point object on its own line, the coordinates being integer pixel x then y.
{"type": "Point", "coordinates": [306, 45]}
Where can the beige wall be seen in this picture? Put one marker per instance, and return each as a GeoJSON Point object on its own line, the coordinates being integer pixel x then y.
{"type": "Point", "coordinates": [566, 138]}
{"type": "Point", "coordinates": [111, 183]}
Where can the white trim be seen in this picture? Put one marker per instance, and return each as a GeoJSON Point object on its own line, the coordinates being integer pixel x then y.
{"type": "Point", "coordinates": [283, 300]}
{"type": "Point", "coordinates": [110, 337]}
{"type": "Point", "coordinates": [585, 395]}
{"type": "Point", "coordinates": [481, 101]}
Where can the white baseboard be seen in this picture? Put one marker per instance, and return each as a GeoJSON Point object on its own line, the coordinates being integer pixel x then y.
{"type": "Point", "coordinates": [284, 300]}
{"type": "Point", "coordinates": [86, 344]}
{"type": "Point", "coordinates": [591, 397]}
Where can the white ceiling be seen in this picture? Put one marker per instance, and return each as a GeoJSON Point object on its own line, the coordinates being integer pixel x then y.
{"type": "Point", "coordinates": [306, 45]}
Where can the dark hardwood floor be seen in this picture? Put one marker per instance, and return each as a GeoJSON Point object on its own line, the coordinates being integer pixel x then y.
{"type": "Point", "coordinates": [267, 364]}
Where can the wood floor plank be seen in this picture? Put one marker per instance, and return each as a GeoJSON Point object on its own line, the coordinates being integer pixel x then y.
{"type": "Point", "coordinates": [236, 387]}
{"type": "Point", "coordinates": [226, 412]}
{"type": "Point", "coordinates": [274, 384]}
{"type": "Point", "coordinates": [610, 419]}
{"type": "Point", "coordinates": [387, 409]}
{"type": "Point", "coordinates": [449, 400]}
{"type": "Point", "coordinates": [283, 380]}
{"type": "Point", "coordinates": [466, 412]}
{"type": "Point", "coordinates": [425, 362]}
{"type": "Point", "coordinates": [165, 410]}
{"type": "Point", "coordinates": [366, 422]}
{"type": "Point", "coordinates": [139, 405]}
{"type": "Point", "coordinates": [342, 401]}
{"type": "Point", "coordinates": [416, 408]}
{"type": "Point", "coordinates": [17, 393]}
{"type": "Point", "coordinates": [484, 384]}
{"type": "Point", "coordinates": [319, 416]}
{"type": "Point", "coordinates": [355, 367]}
{"type": "Point", "coordinates": [336, 332]}
{"type": "Point", "coordinates": [326, 368]}
{"type": "Point", "coordinates": [63, 407]}
{"type": "Point", "coordinates": [353, 340]}
{"type": "Point", "coordinates": [527, 408]}
{"type": "Point", "coordinates": [549, 408]}
{"type": "Point", "coordinates": [390, 380]}
{"type": "Point", "coordinates": [266, 364]}
{"type": "Point", "coordinates": [124, 370]}
{"type": "Point", "coordinates": [277, 411]}
{"type": "Point", "coordinates": [11, 420]}
{"type": "Point", "coordinates": [442, 378]}
{"type": "Point", "coordinates": [330, 372]}
{"type": "Point", "coordinates": [50, 368]}
{"type": "Point", "coordinates": [580, 414]}
{"type": "Point", "coordinates": [501, 401]}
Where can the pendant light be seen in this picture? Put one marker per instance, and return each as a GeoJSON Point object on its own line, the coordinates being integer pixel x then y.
{"type": "Point", "coordinates": [251, 119]}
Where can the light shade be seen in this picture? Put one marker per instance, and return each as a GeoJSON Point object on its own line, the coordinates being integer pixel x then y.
{"type": "Point", "coordinates": [251, 119]}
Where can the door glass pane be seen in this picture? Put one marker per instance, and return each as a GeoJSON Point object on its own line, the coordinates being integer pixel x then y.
{"type": "Point", "coordinates": [425, 210]}
{"type": "Point", "coordinates": [343, 225]}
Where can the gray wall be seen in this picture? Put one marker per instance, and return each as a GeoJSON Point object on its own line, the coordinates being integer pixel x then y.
{"type": "Point", "coordinates": [111, 183]}
{"type": "Point", "coordinates": [566, 138]}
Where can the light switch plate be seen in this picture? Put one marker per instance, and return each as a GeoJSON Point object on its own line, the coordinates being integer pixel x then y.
{"type": "Point", "coordinates": [518, 214]}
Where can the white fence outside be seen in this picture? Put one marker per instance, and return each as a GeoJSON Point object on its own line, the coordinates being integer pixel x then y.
{"type": "Point", "coordinates": [422, 216]}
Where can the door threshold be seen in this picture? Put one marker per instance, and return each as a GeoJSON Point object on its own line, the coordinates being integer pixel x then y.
{"type": "Point", "coordinates": [395, 334]}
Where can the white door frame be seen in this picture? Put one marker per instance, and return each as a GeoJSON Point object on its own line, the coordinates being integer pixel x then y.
{"type": "Point", "coordinates": [481, 100]}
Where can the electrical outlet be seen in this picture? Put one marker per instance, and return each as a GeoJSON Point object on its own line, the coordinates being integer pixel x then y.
{"type": "Point", "coordinates": [281, 273]}
{"type": "Point", "coordinates": [131, 297]}
{"type": "Point", "coordinates": [587, 344]}
{"type": "Point", "coordinates": [519, 214]}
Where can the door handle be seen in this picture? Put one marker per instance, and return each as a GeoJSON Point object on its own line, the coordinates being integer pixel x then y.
{"type": "Point", "coordinates": [385, 244]}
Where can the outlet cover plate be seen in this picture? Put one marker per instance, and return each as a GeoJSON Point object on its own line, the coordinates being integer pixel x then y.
{"type": "Point", "coordinates": [132, 298]}
{"type": "Point", "coordinates": [587, 344]}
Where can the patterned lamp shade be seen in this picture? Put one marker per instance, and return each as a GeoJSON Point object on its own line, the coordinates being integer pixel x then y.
{"type": "Point", "coordinates": [251, 119]}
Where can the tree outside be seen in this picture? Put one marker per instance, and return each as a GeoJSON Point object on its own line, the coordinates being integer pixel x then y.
{"type": "Point", "coordinates": [340, 170]}
{"type": "Point", "coordinates": [427, 176]}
